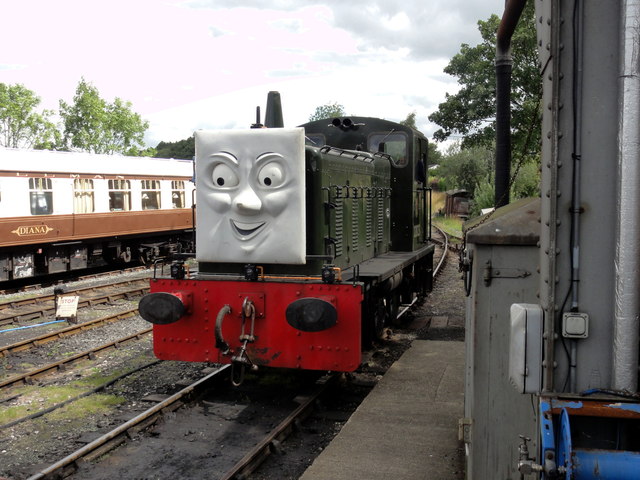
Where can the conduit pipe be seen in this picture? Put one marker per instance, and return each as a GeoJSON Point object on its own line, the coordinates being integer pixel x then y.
{"type": "Point", "coordinates": [627, 261]}
{"type": "Point", "coordinates": [576, 208]}
{"type": "Point", "coordinates": [503, 62]}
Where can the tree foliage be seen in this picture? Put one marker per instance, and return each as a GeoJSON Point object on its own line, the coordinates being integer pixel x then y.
{"type": "Point", "coordinates": [92, 124]}
{"type": "Point", "coordinates": [21, 125]}
{"type": "Point", "coordinates": [182, 149]}
{"type": "Point", "coordinates": [435, 157]}
{"type": "Point", "coordinates": [330, 110]}
{"type": "Point", "coordinates": [410, 121]}
{"type": "Point", "coordinates": [471, 111]}
{"type": "Point", "coordinates": [465, 168]}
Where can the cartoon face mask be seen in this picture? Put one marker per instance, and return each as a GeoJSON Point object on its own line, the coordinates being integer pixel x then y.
{"type": "Point", "coordinates": [250, 188]}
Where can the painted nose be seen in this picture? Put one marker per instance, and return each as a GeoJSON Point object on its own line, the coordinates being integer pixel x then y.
{"type": "Point", "coordinates": [247, 202]}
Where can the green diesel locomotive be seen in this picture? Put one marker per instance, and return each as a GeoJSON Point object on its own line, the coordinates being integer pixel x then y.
{"type": "Point", "coordinates": [309, 241]}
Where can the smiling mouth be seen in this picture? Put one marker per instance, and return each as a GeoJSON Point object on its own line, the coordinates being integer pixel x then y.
{"type": "Point", "coordinates": [247, 230]}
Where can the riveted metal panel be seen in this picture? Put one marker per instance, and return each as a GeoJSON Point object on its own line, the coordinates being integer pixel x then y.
{"type": "Point", "coordinates": [277, 343]}
{"type": "Point", "coordinates": [497, 412]}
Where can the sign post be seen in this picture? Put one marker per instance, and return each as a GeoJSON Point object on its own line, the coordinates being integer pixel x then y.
{"type": "Point", "coordinates": [67, 308]}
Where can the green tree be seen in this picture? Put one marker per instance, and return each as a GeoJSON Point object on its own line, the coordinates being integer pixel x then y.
{"type": "Point", "coordinates": [466, 168]}
{"type": "Point", "coordinates": [330, 110]}
{"type": "Point", "coordinates": [435, 157]}
{"type": "Point", "coordinates": [471, 111]}
{"type": "Point", "coordinates": [125, 128]}
{"type": "Point", "coordinates": [182, 149]}
{"type": "Point", "coordinates": [483, 198]}
{"type": "Point", "coordinates": [94, 125]}
{"type": "Point", "coordinates": [21, 126]}
{"type": "Point", "coordinates": [410, 121]}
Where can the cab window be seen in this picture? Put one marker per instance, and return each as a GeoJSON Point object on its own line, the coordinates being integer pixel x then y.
{"type": "Point", "coordinates": [394, 144]}
{"type": "Point", "coordinates": [315, 139]}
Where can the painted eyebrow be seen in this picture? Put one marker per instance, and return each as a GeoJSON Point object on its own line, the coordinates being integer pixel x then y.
{"type": "Point", "coordinates": [267, 155]}
{"type": "Point", "coordinates": [229, 156]}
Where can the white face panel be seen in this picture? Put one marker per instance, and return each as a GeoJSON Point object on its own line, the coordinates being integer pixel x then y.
{"type": "Point", "coordinates": [250, 196]}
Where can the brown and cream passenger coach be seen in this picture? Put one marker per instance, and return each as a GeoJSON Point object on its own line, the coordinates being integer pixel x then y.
{"type": "Point", "coordinates": [62, 211]}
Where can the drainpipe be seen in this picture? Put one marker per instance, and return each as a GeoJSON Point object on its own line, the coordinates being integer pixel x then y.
{"type": "Point", "coordinates": [503, 62]}
{"type": "Point", "coordinates": [627, 262]}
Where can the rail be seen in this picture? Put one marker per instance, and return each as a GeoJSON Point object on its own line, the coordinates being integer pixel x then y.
{"type": "Point", "coordinates": [45, 305]}
{"type": "Point", "coordinates": [65, 332]}
{"type": "Point", "coordinates": [41, 371]}
{"type": "Point", "coordinates": [117, 436]}
{"type": "Point", "coordinates": [445, 249]}
{"type": "Point", "coordinates": [250, 462]}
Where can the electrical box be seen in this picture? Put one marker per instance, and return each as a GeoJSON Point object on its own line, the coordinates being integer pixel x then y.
{"type": "Point", "coordinates": [525, 348]}
{"type": "Point", "coordinates": [575, 325]}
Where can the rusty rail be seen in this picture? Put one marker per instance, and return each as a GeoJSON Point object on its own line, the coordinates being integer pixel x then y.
{"type": "Point", "coordinates": [41, 371]}
{"type": "Point", "coordinates": [65, 332]}
{"type": "Point", "coordinates": [44, 305]}
{"type": "Point", "coordinates": [119, 435]}
{"type": "Point", "coordinates": [263, 449]}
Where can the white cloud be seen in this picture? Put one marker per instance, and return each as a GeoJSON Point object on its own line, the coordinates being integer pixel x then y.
{"type": "Point", "coordinates": [208, 63]}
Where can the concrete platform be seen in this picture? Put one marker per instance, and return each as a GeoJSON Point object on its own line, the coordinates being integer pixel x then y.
{"type": "Point", "coordinates": [407, 427]}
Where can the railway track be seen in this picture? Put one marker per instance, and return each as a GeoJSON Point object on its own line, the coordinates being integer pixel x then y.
{"type": "Point", "coordinates": [78, 462]}
{"type": "Point", "coordinates": [441, 239]}
{"type": "Point", "coordinates": [119, 435]}
{"type": "Point", "coordinates": [16, 311]}
{"type": "Point", "coordinates": [272, 441]}
{"type": "Point", "coordinates": [238, 469]}
{"type": "Point", "coordinates": [69, 277]}
{"type": "Point", "coordinates": [65, 332]}
{"type": "Point", "coordinates": [29, 376]}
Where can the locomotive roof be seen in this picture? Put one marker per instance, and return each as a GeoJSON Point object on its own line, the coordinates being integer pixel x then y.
{"type": "Point", "coordinates": [46, 161]}
{"type": "Point", "coordinates": [371, 122]}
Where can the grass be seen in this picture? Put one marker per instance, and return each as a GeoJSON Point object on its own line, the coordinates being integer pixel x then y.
{"type": "Point", "coordinates": [44, 397]}
{"type": "Point", "coordinates": [38, 397]}
{"type": "Point", "coordinates": [451, 225]}
{"type": "Point", "coordinates": [86, 406]}
{"type": "Point", "coordinates": [438, 200]}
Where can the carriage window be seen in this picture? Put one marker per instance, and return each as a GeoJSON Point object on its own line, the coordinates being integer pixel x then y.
{"type": "Point", "coordinates": [119, 195]}
{"type": "Point", "coordinates": [83, 195]}
{"type": "Point", "coordinates": [41, 196]}
{"type": "Point", "coordinates": [395, 144]}
{"type": "Point", "coordinates": [150, 194]}
{"type": "Point", "coordinates": [177, 193]}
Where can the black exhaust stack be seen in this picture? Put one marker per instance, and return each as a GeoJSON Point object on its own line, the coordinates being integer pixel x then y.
{"type": "Point", "coordinates": [512, 12]}
{"type": "Point", "coordinates": [273, 117]}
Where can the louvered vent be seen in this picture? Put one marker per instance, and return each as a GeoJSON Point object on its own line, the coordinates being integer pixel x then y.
{"type": "Point", "coordinates": [354, 225]}
{"type": "Point", "coordinates": [380, 219]}
{"type": "Point", "coordinates": [369, 219]}
{"type": "Point", "coordinates": [339, 225]}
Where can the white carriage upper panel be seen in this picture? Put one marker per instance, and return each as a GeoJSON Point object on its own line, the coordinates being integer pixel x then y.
{"type": "Point", "coordinates": [47, 161]}
{"type": "Point", "coordinates": [44, 182]}
{"type": "Point", "coordinates": [251, 196]}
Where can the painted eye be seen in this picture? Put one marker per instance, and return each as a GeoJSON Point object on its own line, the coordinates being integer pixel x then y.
{"type": "Point", "coordinates": [224, 176]}
{"type": "Point", "coordinates": [271, 175]}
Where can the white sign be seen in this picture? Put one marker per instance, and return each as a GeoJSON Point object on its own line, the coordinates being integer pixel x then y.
{"type": "Point", "coordinates": [67, 306]}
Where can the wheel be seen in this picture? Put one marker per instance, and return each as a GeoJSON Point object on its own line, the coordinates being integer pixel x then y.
{"type": "Point", "coordinates": [374, 318]}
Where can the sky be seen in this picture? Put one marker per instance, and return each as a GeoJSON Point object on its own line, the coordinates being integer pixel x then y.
{"type": "Point", "coordinates": [206, 64]}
